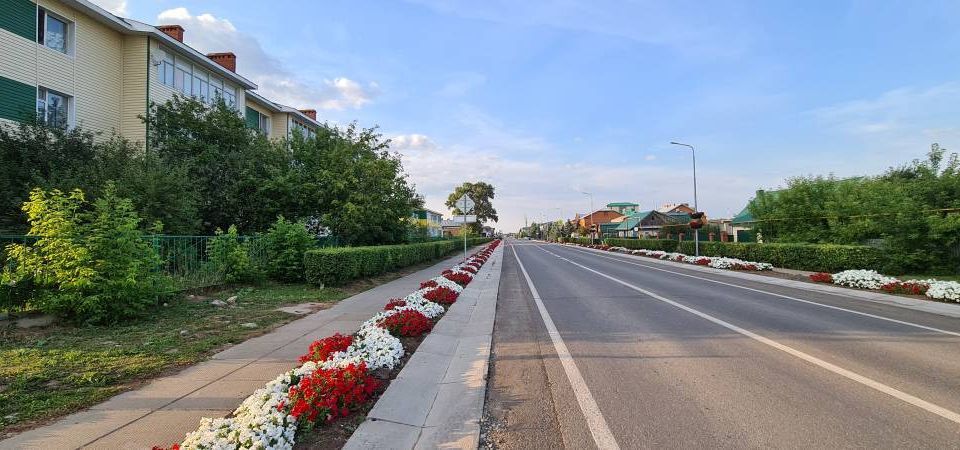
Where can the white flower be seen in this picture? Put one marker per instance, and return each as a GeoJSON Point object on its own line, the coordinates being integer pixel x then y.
{"type": "Point", "coordinates": [863, 279]}
{"type": "Point", "coordinates": [944, 290]}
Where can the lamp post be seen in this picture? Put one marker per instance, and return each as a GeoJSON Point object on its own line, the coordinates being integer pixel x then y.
{"type": "Point", "coordinates": [696, 232]}
{"type": "Point", "coordinates": [591, 214]}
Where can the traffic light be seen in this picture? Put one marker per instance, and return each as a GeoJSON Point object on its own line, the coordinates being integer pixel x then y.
{"type": "Point", "coordinates": [698, 220]}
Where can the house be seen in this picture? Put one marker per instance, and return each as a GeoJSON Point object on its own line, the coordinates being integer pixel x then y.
{"type": "Point", "coordinates": [645, 224]}
{"type": "Point", "coordinates": [598, 217]}
{"type": "Point", "coordinates": [430, 220]}
{"type": "Point", "coordinates": [624, 208]}
{"type": "Point", "coordinates": [71, 63]}
{"type": "Point", "coordinates": [668, 208]}
{"type": "Point", "coordinates": [451, 228]}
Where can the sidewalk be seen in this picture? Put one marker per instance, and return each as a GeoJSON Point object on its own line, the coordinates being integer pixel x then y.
{"type": "Point", "coordinates": [437, 399]}
{"type": "Point", "coordinates": [162, 412]}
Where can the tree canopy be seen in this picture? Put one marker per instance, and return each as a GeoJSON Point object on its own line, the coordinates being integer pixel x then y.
{"type": "Point", "coordinates": [482, 194]}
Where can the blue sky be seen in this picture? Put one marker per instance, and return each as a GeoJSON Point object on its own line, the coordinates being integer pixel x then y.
{"type": "Point", "coordinates": [548, 99]}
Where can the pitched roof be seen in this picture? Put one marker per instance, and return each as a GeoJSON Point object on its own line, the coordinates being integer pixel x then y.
{"type": "Point", "coordinates": [621, 204]}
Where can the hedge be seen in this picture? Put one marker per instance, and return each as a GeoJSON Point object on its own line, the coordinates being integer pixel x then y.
{"type": "Point", "coordinates": [813, 257]}
{"type": "Point", "coordinates": [581, 241]}
{"type": "Point", "coordinates": [667, 245]}
{"type": "Point", "coordinates": [336, 266]}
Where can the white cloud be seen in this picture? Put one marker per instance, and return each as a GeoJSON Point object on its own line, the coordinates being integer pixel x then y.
{"type": "Point", "coordinates": [208, 33]}
{"type": "Point", "coordinates": [116, 7]}
{"type": "Point", "coordinates": [412, 142]}
{"type": "Point", "coordinates": [650, 157]}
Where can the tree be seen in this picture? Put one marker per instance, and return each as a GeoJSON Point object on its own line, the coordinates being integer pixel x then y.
{"type": "Point", "coordinates": [482, 195]}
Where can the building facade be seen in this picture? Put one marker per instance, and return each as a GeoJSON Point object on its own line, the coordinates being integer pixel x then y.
{"type": "Point", "coordinates": [430, 220]}
{"type": "Point", "coordinates": [70, 63]}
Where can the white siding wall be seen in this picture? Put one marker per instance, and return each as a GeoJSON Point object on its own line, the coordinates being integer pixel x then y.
{"type": "Point", "coordinates": [18, 60]}
{"type": "Point", "coordinates": [134, 94]}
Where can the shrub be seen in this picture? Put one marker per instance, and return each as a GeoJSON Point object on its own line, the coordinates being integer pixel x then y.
{"type": "Point", "coordinates": [320, 350]}
{"type": "Point", "coordinates": [89, 263]}
{"type": "Point", "coordinates": [335, 266]}
{"type": "Point", "coordinates": [284, 245]}
{"type": "Point", "coordinates": [667, 245]}
{"type": "Point", "coordinates": [328, 394]}
{"type": "Point", "coordinates": [407, 323]}
{"type": "Point", "coordinates": [229, 256]}
{"type": "Point", "coordinates": [812, 257]}
{"type": "Point", "coordinates": [442, 295]}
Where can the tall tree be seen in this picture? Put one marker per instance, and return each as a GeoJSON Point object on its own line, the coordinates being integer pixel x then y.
{"type": "Point", "coordinates": [482, 195]}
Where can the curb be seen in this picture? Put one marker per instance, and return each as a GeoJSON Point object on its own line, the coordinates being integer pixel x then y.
{"type": "Point", "coordinates": [437, 399]}
{"type": "Point", "coordinates": [927, 306]}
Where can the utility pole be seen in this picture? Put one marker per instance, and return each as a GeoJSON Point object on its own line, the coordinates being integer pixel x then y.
{"type": "Point", "coordinates": [591, 214]}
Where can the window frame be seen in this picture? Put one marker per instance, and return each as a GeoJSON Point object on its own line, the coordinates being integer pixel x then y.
{"type": "Point", "coordinates": [43, 97]}
{"type": "Point", "coordinates": [43, 30]}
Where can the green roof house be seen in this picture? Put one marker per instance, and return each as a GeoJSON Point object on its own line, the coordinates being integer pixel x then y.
{"type": "Point", "coordinates": [625, 208]}
{"type": "Point", "coordinates": [645, 224]}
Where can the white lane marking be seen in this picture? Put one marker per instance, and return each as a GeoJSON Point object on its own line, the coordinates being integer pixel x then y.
{"type": "Point", "coordinates": [591, 411]}
{"type": "Point", "coordinates": [900, 395]}
{"type": "Point", "coordinates": [874, 316]}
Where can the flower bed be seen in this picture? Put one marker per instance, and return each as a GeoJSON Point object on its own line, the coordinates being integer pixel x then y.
{"type": "Point", "coordinates": [336, 375]}
{"type": "Point", "coordinates": [717, 262]}
{"type": "Point", "coordinates": [871, 279]}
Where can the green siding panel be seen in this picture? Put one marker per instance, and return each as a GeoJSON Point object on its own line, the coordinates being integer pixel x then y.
{"type": "Point", "coordinates": [253, 118]}
{"type": "Point", "coordinates": [19, 17]}
{"type": "Point", "coordinates": [17, 100]}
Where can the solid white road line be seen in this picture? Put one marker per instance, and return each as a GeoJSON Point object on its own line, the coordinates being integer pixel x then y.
{"type": "Point", "coordinates": [874, 316]}
{"type": "Point", "coordinates": [900, 395]}
{"type": "Point", "coordinates": [591, 412]}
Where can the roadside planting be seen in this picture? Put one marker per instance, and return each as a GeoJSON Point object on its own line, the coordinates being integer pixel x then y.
{"type": "Point", "coordinates": [717, 262]}
{"type": "Point", "coordinates": [339, 374]}
{"type": "Point", "coordinates": [948, 291]}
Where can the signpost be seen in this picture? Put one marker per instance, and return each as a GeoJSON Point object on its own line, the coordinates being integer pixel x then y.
{"type": "Point", "coordinates": [465, 204]}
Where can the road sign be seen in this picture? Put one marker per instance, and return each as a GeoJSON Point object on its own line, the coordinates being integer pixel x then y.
{"type": "Point", "coordinates": [465, 219]}
{"type": "Point", "coordinates": [465, 204]}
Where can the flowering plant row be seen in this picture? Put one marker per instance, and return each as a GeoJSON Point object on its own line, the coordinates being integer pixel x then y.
{"type": "Point", "coordinates": [717, 262]}
{"type": "Point", "coordinates": [871, 279]}
{"type": "Point", "coordinates": [336, 376]}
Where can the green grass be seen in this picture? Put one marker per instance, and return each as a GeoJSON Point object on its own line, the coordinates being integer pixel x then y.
{"type": "Point", "coordinates": [56, 370]}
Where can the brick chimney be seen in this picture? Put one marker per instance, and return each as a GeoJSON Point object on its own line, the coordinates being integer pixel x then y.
{"type": "Point", "coordinates": [174, 31]}
{"type": "Point", "coordinates": [311, 113]}
{"type": "Point", "coordinates": [226, 59]}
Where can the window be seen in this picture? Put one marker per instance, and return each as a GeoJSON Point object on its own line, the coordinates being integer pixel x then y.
{"type": "Point", "coordinates": [216, 89]}
{"type": "Point", "coordinates": [184, 79]}
{"type": "Point", "coordinates": [166, 69]}
{"type": "Point", "coordinates": [52, 108]}
{"type": "Point", "coordinates": [201, 87]}
{"type": "Point", "coordinates": [51, 31]}
{"type": "Point", "coordinates": [265, 124]}
{"type": "Point", "coordinates": [230, 96]}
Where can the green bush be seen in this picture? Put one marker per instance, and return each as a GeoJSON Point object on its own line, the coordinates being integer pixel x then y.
{"type": "Point", "coordinates": [582, 241]}
{"type": "Point", "coordinates": [229, 256]}
{"type": "Point", "coordinates": [284, 245]}
{"type": "Point", "coordinates": [336, 266]}
{"type": "Point", "coordinates": [813, 257]}
{"type": "Point", "coordinates": [667, 245]}
{"type": "Point", "coordinates": [89, 263]}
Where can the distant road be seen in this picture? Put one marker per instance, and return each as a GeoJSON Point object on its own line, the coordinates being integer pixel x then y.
{"type": "Point", "coordinates": [614, 352]}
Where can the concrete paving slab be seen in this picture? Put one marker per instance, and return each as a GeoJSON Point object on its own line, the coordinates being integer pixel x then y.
{"type": "Point", "coordinates": [264, 370]}
{"type": "Point", "coordinates": [155, 395]}
{"type": "Point", "coordinates": [159, 428]}
{"type": "Point", "coordinates": [74, 431]}
{"type": "Point", "coordinates": [224, 394]}
{"type": "Point", "coordinates": [406, 401]}
{"type": "Point", "coordinates": [426, 366]}
{"type": "Point", "coordinates": [438, 343]}
{"type": "Point", "coordinates": [469, 365]}
{"type": "Point", "coordinates": [381, 434]}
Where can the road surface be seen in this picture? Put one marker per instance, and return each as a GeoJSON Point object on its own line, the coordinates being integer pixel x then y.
{"type": "Point", "coordinates": [613, 351]}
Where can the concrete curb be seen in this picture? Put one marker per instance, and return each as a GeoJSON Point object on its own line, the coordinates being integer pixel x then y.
{"type": "Point", "coordinates": [437, 399]}
{"type": "Point", "coordinates": [928, 306]}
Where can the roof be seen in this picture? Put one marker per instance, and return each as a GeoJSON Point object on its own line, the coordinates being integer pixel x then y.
{"type": "Point", "coordinates": [300, 115]}
{"type": "Point", "coordinates": [130, 26]}
{"type": "Point", "coordinates": [621, 204]}
{"type": "Point", "coordinates": [680, 216]}
{"type": "Point", "coordinates": [744, 217]}
{"type": "Point", "coordinates": [261, 100]}
{"type": "Point", "coordinates": [429, 211]}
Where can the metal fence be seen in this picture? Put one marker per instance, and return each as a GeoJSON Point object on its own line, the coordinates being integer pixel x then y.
{"type": "Point", "coordinates": [185, 258]}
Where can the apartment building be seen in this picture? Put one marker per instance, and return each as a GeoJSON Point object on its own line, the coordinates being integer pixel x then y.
{"type": "Point", "coordinates": [279, 121]}
{"type": "Point", "coordinates": [71, 63]}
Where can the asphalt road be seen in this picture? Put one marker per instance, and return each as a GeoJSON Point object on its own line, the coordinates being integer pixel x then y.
{"type": "Point", "coordinates": [647, 355]}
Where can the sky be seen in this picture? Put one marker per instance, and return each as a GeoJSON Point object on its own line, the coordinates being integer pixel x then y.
{"type": "Point", "coordinates": [547, 100]}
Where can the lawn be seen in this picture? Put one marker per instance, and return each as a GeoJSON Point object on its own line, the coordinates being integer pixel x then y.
{"type": "Point", "coordinates": [927, 277]}
{"type": "Point", "coordinates": [49, 372]}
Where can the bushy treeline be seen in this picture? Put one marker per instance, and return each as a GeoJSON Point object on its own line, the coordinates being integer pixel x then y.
{"type": "Point", "coordinates": [909, 212]}
{"type": "Point", "coordinates": [202, 170]}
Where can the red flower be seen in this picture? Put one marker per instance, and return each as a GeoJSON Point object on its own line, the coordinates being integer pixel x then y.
{"type": "Point", "coordinates": [328, 394]}
{"type": "Point", "coordinates": [428, 284]}
{"type": "Point", "coordinates": [442, 295]}
{"type": "Point", "coordinates": [821, 277]}
{"type": "Point", "coordinates": [460, 278]}
{"type": "Point", "coordinates": [321, 349]}
{"type": "Point", "coordinates": [407, 323]}
{"type": "Point", "coordinates": [906, 287]}
{"type": "Point", "coordinates": [394, 303]}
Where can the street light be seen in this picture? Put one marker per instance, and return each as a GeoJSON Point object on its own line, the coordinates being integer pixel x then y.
{"type": "Point", "coordinates": [591, 214]}
{"type": "Point", "coordinates": [696, 232]}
